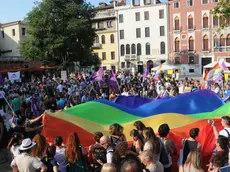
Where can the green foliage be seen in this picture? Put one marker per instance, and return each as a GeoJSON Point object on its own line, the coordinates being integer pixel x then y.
{"type": "Point", "coordinates": [222, 9]}
{"type": "Point", "coordinates": [59, 32]}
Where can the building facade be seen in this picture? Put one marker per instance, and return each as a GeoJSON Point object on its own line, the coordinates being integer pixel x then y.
{"type": "Point", "coordinates": [105, 45]}
{"type": "Point", "coordinates": [11, 34]}
{"type": "Point", "coordinates": [142, 34]}
{"type": "Point", "coordinates": [196, 38]}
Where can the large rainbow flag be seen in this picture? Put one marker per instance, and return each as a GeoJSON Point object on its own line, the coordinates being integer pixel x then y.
{"type": "Point", "coordinates": [181, 113]}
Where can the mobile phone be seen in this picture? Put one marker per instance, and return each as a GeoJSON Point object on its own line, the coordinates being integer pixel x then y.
{"type": "Point", "coordinates": [210, 121]}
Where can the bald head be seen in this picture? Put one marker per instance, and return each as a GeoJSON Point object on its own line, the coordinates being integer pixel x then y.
{"type": "Point", "coordinates": [105, 141]}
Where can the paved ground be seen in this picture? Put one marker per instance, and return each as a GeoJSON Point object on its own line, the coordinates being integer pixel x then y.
{"type": "Point", "coordinates": [6, 166]}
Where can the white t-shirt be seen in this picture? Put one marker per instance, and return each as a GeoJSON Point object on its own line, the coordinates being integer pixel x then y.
{"type": "Point", "coordinates": [125, 94]}
{"type": "Point", "coordinates": [15, 150]}
{"type": "Point", "coordinates": [217, 90]}
{"type": "Point", "coordinates": [224, 132]}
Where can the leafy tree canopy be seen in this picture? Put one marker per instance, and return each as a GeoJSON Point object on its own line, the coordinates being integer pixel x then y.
{"type": "Point", "coordinates": [223, 9]}
{"type": "Point", "coordinates": [60, 32]}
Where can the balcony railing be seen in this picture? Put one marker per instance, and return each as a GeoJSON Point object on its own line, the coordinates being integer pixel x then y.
{"type": "Point", "coordinates": [191, 28]}
{"type": "Point", "coordinates": [131, 57]}
{"type": "Point", "coordinates": [222, 49]}
{"type": "Point", "coordinates": [177, 29]}
{"type": "Point", "coordinates": [11, 58]}
{"type": "Point", "coordinates": [105, 14]}
{"type": "Point", "coordinates": [206, 28]}
{"type": "Point", "coordinates": [96, 46]}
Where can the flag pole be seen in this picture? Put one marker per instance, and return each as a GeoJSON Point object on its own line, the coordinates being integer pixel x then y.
{"type": "Point", "coordinates": [8, 103]}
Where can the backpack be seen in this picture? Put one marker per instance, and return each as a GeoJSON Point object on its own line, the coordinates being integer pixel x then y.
{"type": "Point", "coordinates": [114, 140]}
{"type": "Point", "coordinates": [98, 153]}
{"type": "Point", "coordinates": [164, 159]}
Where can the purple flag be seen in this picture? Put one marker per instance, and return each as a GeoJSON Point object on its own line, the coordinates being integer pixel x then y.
{"type": "Point", "coordinates": [112, 82]}
{"type": "Point", "coordinates": [97, 76]}
{"type": "Point", "coordinates": [2, 79]}
{"type": "Point", "coordinates": [146, 72]}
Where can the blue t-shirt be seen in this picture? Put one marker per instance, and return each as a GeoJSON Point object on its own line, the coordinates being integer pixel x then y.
{"type": "Point", "coordinates": [61, 103]}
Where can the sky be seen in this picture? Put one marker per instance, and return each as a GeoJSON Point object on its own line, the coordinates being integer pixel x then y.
{"type": "Point", "coordinates": [13, 10]}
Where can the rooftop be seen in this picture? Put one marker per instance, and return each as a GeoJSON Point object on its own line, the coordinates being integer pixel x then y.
{"type": "Point", "coordinates": [12, 23]}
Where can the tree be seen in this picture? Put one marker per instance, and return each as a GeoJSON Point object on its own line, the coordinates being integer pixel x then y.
{"type": "Point", "coordinates": [60, 32]}
{"type": "Point", "coordinates": [223, 9]}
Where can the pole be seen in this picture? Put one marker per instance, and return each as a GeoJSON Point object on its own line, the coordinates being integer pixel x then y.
{"type": "Point", "coordinates": [8, 103]}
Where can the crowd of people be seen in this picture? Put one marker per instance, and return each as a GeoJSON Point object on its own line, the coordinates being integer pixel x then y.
{"type": "Point", "coordinates": [21, 134]}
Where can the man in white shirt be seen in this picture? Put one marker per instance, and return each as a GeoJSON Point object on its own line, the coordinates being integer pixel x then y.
{"type": "Point", "coordinates": [105, 141]}
{"type": "Point", "coordinates": [125, 93]}
{"type": "Point", "coordinates": [225, 121]}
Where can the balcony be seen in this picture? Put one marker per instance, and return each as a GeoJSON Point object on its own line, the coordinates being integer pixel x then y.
{"type": "Point", "coordinates": [11, 58]}
{"type": "Point", "coordinates": [105, 14]}
{"type": "Point", "coordinates": [191, 29]}
{"type": "Point", "coordinates": [222, 49]}
{"type": "Point", "coordinates": [96, 46]}
{"type": "Point", "coordinates": [132, 57]}
{"type": "Point", "coordinates": [205, 28]}
{"type": "Point", "coordinates": [176, 30]}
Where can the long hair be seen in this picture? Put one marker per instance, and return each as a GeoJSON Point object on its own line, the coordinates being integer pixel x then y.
{"type": "Point", "coordinates": [194, 159]}
{"type": "Point", "coordinates": [41, 145]}
{"type": "Point", "coordinates": [152, 138]}
{"type": "Point", "coordinates": [116, 129]}
{"type": "Point", "coordinates": [139, 125]}
{"type": "Point", "coordinates": [15, 140]}
{"type": "Point", "coordinates": [72, 147]}
{"type": "Point", "coordinates": [120, 150]}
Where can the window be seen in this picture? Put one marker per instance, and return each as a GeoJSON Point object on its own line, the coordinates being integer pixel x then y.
{"type": "Point", "coordinates": [190, 22]}
{"type": "Point", "coordinates": [177, 45]}
{"type": "Point", "coordinates": [112, 55]}
{"type": "Point", "coordinates": [138, 33]}
{"type": "Point", "coordinates": [137, 14]}
{"type": "Point", "coordinates": [216, 41]}
{"type": "Point", "coordinates": [161, 14]}
{"type": "Point", "coordinates": [147, 32]}
{"type": "Point", "coordinates": [147, 2]}
{"type": "Point", "coordinates": [112, 38]}
{"type": "Point", "coordinates": [162, 31]}
{"type": "Point", "coordinates": [104, 68]}
{"type": "Point", "coordinates": [136, 2]}
{"type": "Point", "coordinates": [205, 43]}
{"type": "Point", "coordinates": [205, 21]}
{"type": "Point", "coordinates": [176, 4]}
{"type": "Point", "coordinates": [128, 64]}
{"type": "Point", "coordinates": [222, 41]}
{"type": "Point", "coordinates": [122, 34]}
{"type": "Point", "coordinates": [127, 49]}
{"type": "Point", "coordinates": [121, 19]}
{"type": "Point", "coordinates": [191, 60]}
{"type": "Point", "coordinates": [147, 48]}
{"type": "Point", "coordinates": [162, 48]}
{"type": "Point", "coordinates": [13, 32]}
{"type": "Point", "coordinates": [3, 34]}
{"type": "Point", "coordinates": [146, 15]}
{"type": "Point", "coordinates": [104, 56]}
{"type": "Point", "coordinates": [177, 60]}
{"type": "Point", "coordinates": [222, 20]}
{"type": "Point", "coordinates": [191, 44]}
{"type": "Point", "coordinates": [215, 21]}
{"type": "Point", "coordinates": [204, 1]}
{"type": "Point", "coordinates": [228, 21]}
{"type": "Point", "coordinates": [122, 50]}
{"type": "Point", "coordinates": [215, 0]}
{"type": "Point", "coordinates": [96, 39]}
{"type": "Point", "coordinates": [189, 3]}
{"type": "Point", "coordinates": [191, 70]}
{"type": "Point", "coordinates": [109, 24]}
{"type": "Point", "coordinates": [177, 23]}
{"type": "Point", "coordinates": [228, 40]}
{"type": "Point", "coordinates": [139, 49]}
{"type": "Point", "coordinates": [103, 39]}
{"type": "Point", "coordinates": [24, 31]}
{"type": "Point", "coordinates": [133, 49]}
{"type": "Point", "coordinates": [101, 25]}
{"type": "Point", "coordinates": [122, 64]}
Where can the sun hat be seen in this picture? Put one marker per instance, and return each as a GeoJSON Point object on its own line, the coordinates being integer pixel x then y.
{"type": "Point", "coordinates": [27, 144]}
